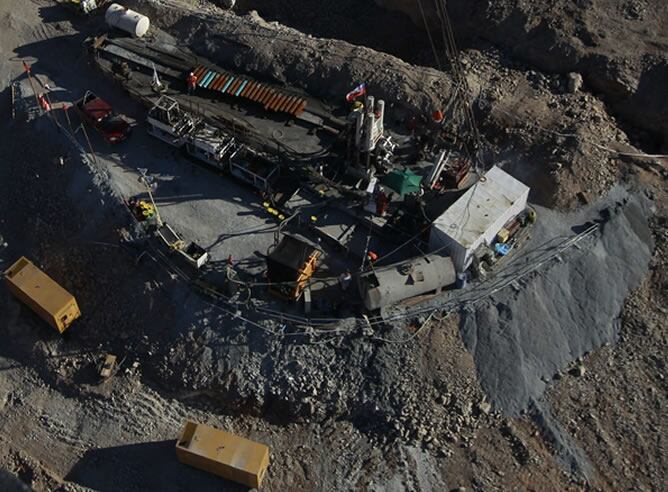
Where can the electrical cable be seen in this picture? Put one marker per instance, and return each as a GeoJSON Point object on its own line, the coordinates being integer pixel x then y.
{"type": "Point", "coordinates": [468, 297]}
{"type": "Point", "coordinates": [251, 306]}
{"type": "Point", "coordinates": [409, 338]}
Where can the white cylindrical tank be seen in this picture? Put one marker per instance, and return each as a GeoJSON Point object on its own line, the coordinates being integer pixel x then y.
{"type": "Point", "coordinates": [127, 20]}
{"type": "Point", "coordinates": [390, 284]}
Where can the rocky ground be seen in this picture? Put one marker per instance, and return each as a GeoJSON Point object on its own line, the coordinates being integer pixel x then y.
{"type": "Point", "coordinates": [618, 48]}
{"type": "Point", "coordinates": [555, 383]}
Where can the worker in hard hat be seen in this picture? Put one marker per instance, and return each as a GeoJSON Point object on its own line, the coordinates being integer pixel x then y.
{"type": "Point", "coordinates": [125, 70]}
{"type": "Point", "coordinates": [191, 82]}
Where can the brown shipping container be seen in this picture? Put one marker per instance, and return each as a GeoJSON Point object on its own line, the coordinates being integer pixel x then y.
{"type": "Point", "coordinates": [222, 453]}
{"type": "Point", "coordinates": [40, 293]}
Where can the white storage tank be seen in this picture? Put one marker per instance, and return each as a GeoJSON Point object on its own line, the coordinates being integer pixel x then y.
{"type": "Point", "coordinates": [387, 285]}
{"type": "Point", "coordinates": [477, 216]}
{"type": "Point", "coordinates": [127, 20]}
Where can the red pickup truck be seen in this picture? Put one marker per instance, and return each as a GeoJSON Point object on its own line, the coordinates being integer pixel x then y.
{"type": "Point", "coordinates": [100, 115]}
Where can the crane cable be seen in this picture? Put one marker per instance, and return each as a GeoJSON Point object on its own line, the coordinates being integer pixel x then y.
{"type": "Point", "coordinates": [431, 39]}
{"type": "Point", "coordinates": [462, 88]}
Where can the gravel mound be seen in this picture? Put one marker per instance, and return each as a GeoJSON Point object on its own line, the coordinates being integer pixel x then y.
{"type": "Point", "coordinates": [523, 339]}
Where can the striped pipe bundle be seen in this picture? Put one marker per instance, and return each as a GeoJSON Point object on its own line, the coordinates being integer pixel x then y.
{"type": "Point", "coordinates": [271, 98]}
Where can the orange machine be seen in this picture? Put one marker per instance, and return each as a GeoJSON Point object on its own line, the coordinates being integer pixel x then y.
{"type": "Point", "coordinates": [40, 293]}
{"type": "Point", "coordinates": [290, 266]}
{"type": "Point", "coordinates": [222, 453]}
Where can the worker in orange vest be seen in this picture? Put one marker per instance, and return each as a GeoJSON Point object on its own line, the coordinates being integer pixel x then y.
{"type": "Point", "coordinates": [191, 82]}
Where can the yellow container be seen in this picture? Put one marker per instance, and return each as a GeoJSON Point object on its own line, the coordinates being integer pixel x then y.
{"type": "Point", "coordinates": [503, 235]}
{"type": "Point", "coordinates": [40, 293]}
{"type": "Point", "coordinates": [224, 454]}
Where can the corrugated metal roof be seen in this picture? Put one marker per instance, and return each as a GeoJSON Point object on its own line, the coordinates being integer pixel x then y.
{"type": "Point", "coordinates": [472, 215]}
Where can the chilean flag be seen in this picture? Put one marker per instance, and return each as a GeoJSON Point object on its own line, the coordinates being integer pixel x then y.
{"type": "Point", "coordinates": [358, 91]}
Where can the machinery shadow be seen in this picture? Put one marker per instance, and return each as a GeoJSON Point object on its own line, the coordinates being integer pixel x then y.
{"type": "Point", "coordinates": [55, 13]}
{"type": "Point", "coordinates": [72, 69]}
{"type": "Point", "coordinates": [143, 466]}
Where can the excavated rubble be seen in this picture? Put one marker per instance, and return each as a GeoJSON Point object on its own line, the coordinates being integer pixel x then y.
{"type": "Point", "coordinates": [617, 47]}
{"type": "Point", "coordinates": [516, 344]}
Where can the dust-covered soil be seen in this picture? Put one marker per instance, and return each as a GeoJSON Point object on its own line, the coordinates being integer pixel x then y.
{"type": "Point", "coordinates": [618, 47]}
{"type": "Point", "coordinates": [554, 381]}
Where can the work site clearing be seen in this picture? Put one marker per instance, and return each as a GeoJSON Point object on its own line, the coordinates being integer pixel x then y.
{"type": "Point", "coordinates": [309, 245]}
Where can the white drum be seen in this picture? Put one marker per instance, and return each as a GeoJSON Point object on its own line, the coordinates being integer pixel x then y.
{"type": "Point", "coordinates": [127, 20]}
